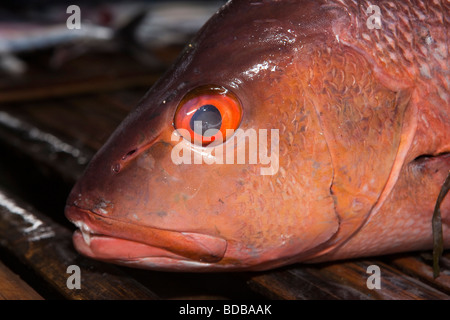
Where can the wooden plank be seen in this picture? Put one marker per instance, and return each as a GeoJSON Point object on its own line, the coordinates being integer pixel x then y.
{"type": "Point", "coordinates": [85, 121]}
{"type": "Point", "coordinates": [12, 287]}
{"type": "Point", "coordinates": [43, 147]}
{"type": "Point", "coordinates": [394, 284]}
{"type": "Point", "coordinates": [302, 283]}
{"type": "Point", "coordinates": [91, 73]}
{"type": "Point", "coordinates": [46, 247]}
{"type": "Point", "coordinates": [342, 280]}
{"type": "Point", "coordinates": [420, 267]}
{"type": "Point", "coordinates": [307, 283]}
{"type": "Point", "coordinates": [72, 128]}
{"type": "Point", "coordinates": [91, 85]}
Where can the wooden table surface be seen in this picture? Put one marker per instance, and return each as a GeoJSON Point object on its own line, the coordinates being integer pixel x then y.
{"type": "Point", "coordinates": [51, 124]}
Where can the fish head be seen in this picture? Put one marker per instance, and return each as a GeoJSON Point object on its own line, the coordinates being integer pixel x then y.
{"type": "Point", "coordinates": [141, 203]}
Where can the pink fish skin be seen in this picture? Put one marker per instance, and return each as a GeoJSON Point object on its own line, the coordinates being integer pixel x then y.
{"type": "Point", "coordinates": [364, 138]}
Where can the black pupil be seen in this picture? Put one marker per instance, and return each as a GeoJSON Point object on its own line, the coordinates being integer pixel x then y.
{"type": "Point", "coordinates": [210, 118]}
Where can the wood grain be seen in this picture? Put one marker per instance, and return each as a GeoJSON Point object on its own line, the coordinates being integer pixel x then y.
{"type": "Point", "coordinates": [344, 280]}
{"type": "Point", "coordinates": [12, 287]}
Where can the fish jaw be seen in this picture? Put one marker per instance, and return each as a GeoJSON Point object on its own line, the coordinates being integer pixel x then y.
{"type": "Point", "coordinates": [163, 250]}
{"type": "Point", "coordinates": [134, 254]}
{"type": "Point", "coordinates": [97, 238]}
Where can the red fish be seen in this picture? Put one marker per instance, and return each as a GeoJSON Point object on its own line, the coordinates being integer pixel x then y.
{"type": "Point", "coordinates": [355, 101]}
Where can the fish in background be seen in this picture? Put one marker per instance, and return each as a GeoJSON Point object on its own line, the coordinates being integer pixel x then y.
{"type": "Point", "coordinates": [133, 27]}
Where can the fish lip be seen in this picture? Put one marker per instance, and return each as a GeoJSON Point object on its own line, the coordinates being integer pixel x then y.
{"type": "Point", "coordinates": [161, 261]}
{"type": "Point", "coordinates": [175, 244]}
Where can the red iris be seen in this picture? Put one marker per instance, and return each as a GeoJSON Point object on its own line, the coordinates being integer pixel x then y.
{"type": "Point", "coordinates": [206, 113]}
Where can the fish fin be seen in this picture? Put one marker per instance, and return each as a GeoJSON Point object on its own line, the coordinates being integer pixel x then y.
{"type": "Point", "coordinates": [438, 238]}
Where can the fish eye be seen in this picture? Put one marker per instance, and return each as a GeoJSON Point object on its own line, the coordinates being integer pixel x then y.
{"type": "Point", "coordinates": [206, 113]}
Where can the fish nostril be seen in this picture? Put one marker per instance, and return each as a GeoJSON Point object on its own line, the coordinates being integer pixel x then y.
{"type": "Point", "coordinates": [116, 168]}
{"type": "Point", "coordinates": [130, 153]}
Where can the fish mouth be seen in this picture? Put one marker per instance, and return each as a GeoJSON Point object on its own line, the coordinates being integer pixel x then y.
{"type": "Point", "coordinates": [112, 240]}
